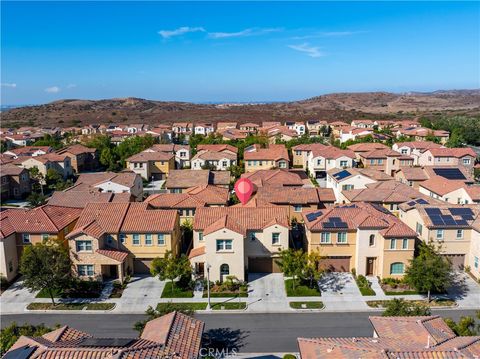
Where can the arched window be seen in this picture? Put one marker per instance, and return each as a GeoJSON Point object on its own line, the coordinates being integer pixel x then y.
{"type": "Point", "coordinates": [396, 268]}
{"type": "Point", "coordinates": [371, 240]}
{"type": "Point", "coordinates": [224, 269]}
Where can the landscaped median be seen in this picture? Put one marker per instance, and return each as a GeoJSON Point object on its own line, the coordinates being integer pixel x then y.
{"type": "Point", "coordinates": [196, 306]}
{"type": "Point", "coordinates": [432, 304]}
{"type": "Point", "coordinates": [364, 285]}
{"type": "Point", "coordinates": [71, 306]}
{"type": "Point", "coordinates": [307, 305]}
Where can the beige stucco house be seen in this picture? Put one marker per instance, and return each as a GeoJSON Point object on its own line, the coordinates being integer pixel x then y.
{"type": "Point", "coordinates": [231, 241]}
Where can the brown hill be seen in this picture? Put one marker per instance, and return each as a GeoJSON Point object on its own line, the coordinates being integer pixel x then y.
{"type": "Point", "coordinates": [339, 106]}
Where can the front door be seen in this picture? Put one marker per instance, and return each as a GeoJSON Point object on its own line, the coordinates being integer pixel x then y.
{"type": "Point", "coordinates": [370, 266]}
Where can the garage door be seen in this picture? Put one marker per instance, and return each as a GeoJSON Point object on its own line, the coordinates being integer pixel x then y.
{"type": "Point", "coordinates": [457, 260]}
{"type": "Point", "coordinates": [336, 264]}
{"type": "Point", "coordinates": [141, 266]}
{"type": "Point", "coordinates": [263, 265]}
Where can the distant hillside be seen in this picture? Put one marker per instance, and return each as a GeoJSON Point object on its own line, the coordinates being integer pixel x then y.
{"type": "Point", "coordinates": [339, 106]}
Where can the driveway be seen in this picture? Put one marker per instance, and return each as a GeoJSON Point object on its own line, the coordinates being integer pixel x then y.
{"type": "Point", "coordinates": [338, 284]}
{"type": "Point", "coordinates": [465, 291]}
{"type": "Point", "coordinates": [266, 292]}
{"type": "Point", "coordinates": [16, 298]}
{"type": "Point", "coordinates": [141, 292]}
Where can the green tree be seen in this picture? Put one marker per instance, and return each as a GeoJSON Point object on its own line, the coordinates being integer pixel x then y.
{"type": "Point", "coordinates": [36, 199]}
{"type": "Point", "coordinates": [53, 178]}
{"type": "Point", "coordinates": [107, 159]}
{"type": "Point", "coordinates": [293, 263]}
{"type": "Point", "coordinates": [312, 270]}
{"type": "Point", "coordinates": [37, 177]}
{"type": "Point", "coordinates": [236, 171]}
{"type": "Point", "coordinates": [429, 271]}
{"type": "Point", "coordinates": [401, 308]}
{"type": "Point", "coordinates": [171, 267]}
{"type": "Point", "coordinates": [466, 326]}
{"type": "Point", "coordinates": [10, 334]}
{"type": "Point", "coordinates": [49, 140]}
{"type": "Point", "coordinates": [47, 266]}
{"type": "Point", "coordinates": [456, 138]}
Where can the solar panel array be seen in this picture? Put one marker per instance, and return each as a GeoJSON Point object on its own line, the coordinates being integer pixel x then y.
{"type": "Point", "coordinates": [341, 175]}
{"type": "Point", "coordinates": [419, 201]}
{"type": "Point", "coordinates": [313, 216]}
{"type": "Point", "coordinates": [335, 222]}
{"type": "Point", "coordinates": [449, 173]}
{"type": "Point", "coordinates": [440, 219]}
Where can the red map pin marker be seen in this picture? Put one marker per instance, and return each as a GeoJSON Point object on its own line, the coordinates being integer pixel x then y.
{"type": "Point", "coordinates": [243, 189]}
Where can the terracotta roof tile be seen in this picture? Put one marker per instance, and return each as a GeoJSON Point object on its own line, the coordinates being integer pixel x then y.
{"type": "Point", "coordinates": [272, 153]}
{"type": "Point", "coordinates": [116, 255]}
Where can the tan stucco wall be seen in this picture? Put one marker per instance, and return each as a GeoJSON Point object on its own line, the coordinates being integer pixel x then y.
{"type": "Point", "coordinates": [8, 255]}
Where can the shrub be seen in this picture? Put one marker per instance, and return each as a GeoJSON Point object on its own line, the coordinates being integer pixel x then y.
{"type": "Point", "coordinates": [289, 356]}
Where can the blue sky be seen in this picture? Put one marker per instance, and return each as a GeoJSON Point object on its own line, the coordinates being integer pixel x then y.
{"type": "Point", "coordinates": [227, 51]}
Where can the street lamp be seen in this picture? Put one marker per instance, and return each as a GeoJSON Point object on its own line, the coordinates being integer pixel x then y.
{"type": "Point", "coordinates": [208, 286]}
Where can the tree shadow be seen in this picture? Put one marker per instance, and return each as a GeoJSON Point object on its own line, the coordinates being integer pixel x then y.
{"type": "Point", "coordinates": [224, 338]}
{"type": "Point", "coordinates": [458, 289]}
{"type": "Point", "coordinates": [331, 282]}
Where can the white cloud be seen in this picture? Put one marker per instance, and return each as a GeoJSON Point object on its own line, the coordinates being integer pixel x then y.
{"type": "Point", "coordinates": [166, 34]}
{"type": "Point", "coordinates": [243, 33]}
{"type": "Point", "coordinates": [53, 89]}
{"type": "Point", "coordinates": [11, 85]}
{"type": "Point", "coordinates": [71, 86]}
{"type": "Point", "coordinates": [317, 35]}
{"type": "Point", "coordinates": [312, 51]}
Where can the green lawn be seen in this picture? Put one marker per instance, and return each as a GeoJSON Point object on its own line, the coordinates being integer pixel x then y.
{"type": "Point", "coordinates": [78, 289]}
{"type": "Point", "coordinates": [367, 291]}
{"type": "Point", "coordinates": [182, 306]}
{"type": "Point", "coordinates": [309, 305]}
{"type": "Point", "coordinates": [364, 286]}
{"type": "Point", "coordinates": [432, 304]}
{"type": "Point", "coordinates": [301, 289]}
{"type": "Point", "coordinates": [177, 292]}
{"type": "Point", "coordinates": [229, 306]}
{"type": "Point", "coordinates": [405, 292]}
{"type": "Point", "coordinates": [100, 306]}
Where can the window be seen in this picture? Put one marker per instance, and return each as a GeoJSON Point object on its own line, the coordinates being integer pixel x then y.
{"type": "Point", "coordinates": [160, 239]}
{"type": "Point", "coordinates": [84, 246]}
{"type": "Point", "coordinates": [136, 240]}
{"type": "Point", "coordinates": [405, 243]}
{"type": "Point", "coordinates": [122, 237]}
{"type": "Point", "coordinates": [282, 164]}
{"type": "Point", "coordinates": [148, 239]}
{"type": "Point", "coordinates": [419, 229]}
{"type": "Point", "coordinates": [252, 236]}
{"type": "Point", "coordinates": [343, 163]}
{"type": "Point", "coordinates": [10, 266]}
{"type": "Point", "coordinates": [224, 245]}
{"type": "Point", "coordinates": [475, 262]}
{"type": "Point", "coordinates": [396, 268]}
{"type": "Point", "coordinates": [372, 162]}
{"type": "Point", "coordinates": [342, 237]}
{"type": "Point", "coordinates": [298, 153]}
{"type": "Point", "coordinates": [459, 233]}
{"type": "Point", "coordinates": [325, 237]}
{"type": "Point", "coordinates": [439, 233]}
{"type": "Point", "coordinates": [275, 238]}
{"type": "Point", "coordinates": [45, 237]}
{"type": "Point", "coordinates": [297, 207]}
{"type": "Point", "coordinates": [200, 236]}
{"type": "Point", "coordinates": [109, 239]}
{"type": "Point", "coordinates": [224, 269]}
{"type": "Point", "coordinates": [319, 162]}
{"type": "Point", "coordinates": [85, 269]}
{"type": "Point", "coordinates": [466, 161]}
{"type": "Point", "coordinates": [380, 161]}
{"type": "Point", "coordinates": [404, 151]}
{"type": "Point", "coordinates": [224, 163]}
{"type": "Point", "coordinates": [371, 240]}
{"type": "Point", "coordinates": [393, 207]}
{"type": "Point", "coordinates": [393, 243]}
{"type": "Point", "coordinates": [182, 154]}
{"type": "Point", "coordinates": [347, 187]}
{"type": "Point", "coordinates": [26, 238]}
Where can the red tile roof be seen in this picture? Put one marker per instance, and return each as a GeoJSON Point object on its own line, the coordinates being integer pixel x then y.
{"type": "Point", "coordinates": [77, 149]}
{"type": "Point", "coordinates": [272, 153]}
{"type": "Point", "coordinates": [116, 255]}
{"type": "Point", "coordinates": [217, 148]}
{"type": "Point", "coordinates": [367, 147]}
{"type": "Point", "coordinates": [150, 156]}
{"type": "Point", "coordinates": [276, 177]}
{"type": "Point", "coordinates": [453, 152]}
{"type": "Point", "coordinates": [442, 186]}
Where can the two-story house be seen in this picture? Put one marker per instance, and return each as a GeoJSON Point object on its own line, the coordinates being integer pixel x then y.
{"type": "Point", "coordinates": [112, 240]}
{"type": "Point", "coordinates": [361, 237]}
{"type": "Point", "coordinates": [14, 182]}
{"type": "Point", "coordinates": [449, 157]}
{"type": "Point", "coordinates": [24, 227]}
{"type": "Point", "coordinates": [122, 182]}
{"type": "Point", "coordinates": [57, 162]}
{"type": "Point", "coordinates": [230, 241]}
{"type": "Point", "coordinates": [181, 152]}
{"type": "Point", "coordinates": [151, 165]}
{"type": "Point", "coordinates": [203, 129]}
{"type": "Point", "coordinates": [257, 158]}
{"type": "Point", "coordinates": [82, 158]}
{"type": "Point", "coordinates": [219, 157]}
{"type": "Point", "coordinates": [181, 180]}
{"type": "Point", "coordinates": [320, 160]}
{"type": "Point", "coordinates": [414, 149]}
{"type": "Point", "coordinates": [452, 228]}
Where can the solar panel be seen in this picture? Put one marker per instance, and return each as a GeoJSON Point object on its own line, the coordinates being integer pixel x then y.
{"type": "Point", "coordinates": [105, 342]}
{"type": "Point", "coordinates": [467, 217]}
{"type": "Point", "coordinates": [422, 201]}
{"type": "Point", "coordinates": [341, 225]}
{"type": "Point", "coordinates": [462, 222]}
{"type": "Point", "coordinates": [449, 173]}
{"type": "Point", "coordinates": [449, 220]}
{"type": "Point", "coordinates": [335, 219]}
{"type": "Point", "coordinates": [433, 211]}
{"type": "Point", "coordinates": [23, 352]}
{"type": "Point", "coordinates": [436, 220]}
{"type": "Point", "coordinates": [329, 225]}
{"type": "Point", "coordinates": [461, 211]}
{"type": "Point", "coordinates": [313, 216]}
{"type": "Point", "coordinates": [341, 175]}
{"type": "Point", "coordinates": [411, 203]}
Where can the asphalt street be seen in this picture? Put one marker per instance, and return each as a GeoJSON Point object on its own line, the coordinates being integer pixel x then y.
{"type": "Point", "coordinates": [249, 333]}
